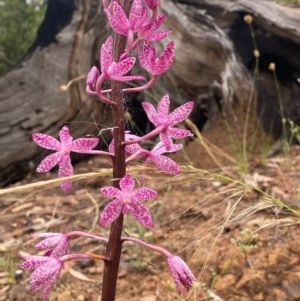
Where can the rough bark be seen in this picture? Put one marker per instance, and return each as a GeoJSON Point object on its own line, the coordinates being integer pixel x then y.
{"type": "Point", "coordinates": [214, 64]}
{"type": "Point", "coordinates": [31, 99]}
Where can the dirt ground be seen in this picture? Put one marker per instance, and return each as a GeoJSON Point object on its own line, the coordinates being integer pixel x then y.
{"type": "Point", "coordinates": [235, 224]}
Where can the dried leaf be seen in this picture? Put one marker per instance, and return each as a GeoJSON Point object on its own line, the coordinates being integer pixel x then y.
{"type": "Point", "coordinates": [80, 276]}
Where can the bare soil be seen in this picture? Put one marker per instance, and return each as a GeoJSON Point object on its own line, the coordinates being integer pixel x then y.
{"type": "Point", "coordinates": [237, 228]}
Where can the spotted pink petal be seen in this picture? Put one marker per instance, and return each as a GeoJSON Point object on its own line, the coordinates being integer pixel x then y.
{"type": "Point", "coordinates": [48, 163]}
{"type": "Point", "coordinates": [159, 21]}
{"type": "Point", "coordinates": [118, 19]}
{"type": "Point", "coordinates": [49, 285]}
{"type": "Point", "coordinates": [147, 57]}
{"type": "Point", "coordinates": [84, 144]}
{"type": "Point", "coordinates": [127, 183]}
{"type": "Point", "coordinates": [151, 113]}
{"type": "Point", "coordinates": [132, 148]}
{"type": "Point", "coordinates": [110, 213]}
{"type": "Point", "coordinates": [110, 192]}
{"type": "Point", "coordinates": [179, 133]}
{"type": "Point", "coordinates": [121, 68]}
{"type": "Point", "coordinates": [163, 107]}
{"type": "Point", "coordinates": [166, 139]}
{"type": "Point", "coordinates": [164, 62]}
{"type": "Point", "coordinates": [145, 194]}
{"type": "Point", "coordinates": [158, 35]}
{"type": "Point", "coordinates": [65, 170]}
{"type": "Point", "coordinates": [33, 261]}
{"type": "Point", "coordinates": [49, 242]}
{"type": "Point", "coordinates": [106, 54]}
{"type": "Point", "coordinates": [38, 285]}
{"type": "Point", "coordinates": [64, 136]}
{"type": "Point", "coordinates": [46, 141]}
{"type": "Point", "coordinates": [181, 113]}
{"type": "Point", "coordinates": [56, 244]}
{"type": "Point", "coordinates": [165, 164]}
{"type": "Point", "coordinates": [138, 15]}
{"type": "Point", "coordinates": [160, 148]}
{"type": "Point", "coordinates": [152, 4]}
{"type": "Point", "coordinates": [150, 32]}
{"type": "Point", "coordinates": [62, 248]}
{"type": "Point", "coordinates": [142, 215]}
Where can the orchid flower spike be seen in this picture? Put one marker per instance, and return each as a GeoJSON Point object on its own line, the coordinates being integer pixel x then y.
{"type": "Point", "coordinates": [162, 118]}
{"type": "Point", "coordinates": [125, 200]}
{"type": "Point", "coordinates": [181, 273]}
{"type": "Point", "coordinates": [63, 149]}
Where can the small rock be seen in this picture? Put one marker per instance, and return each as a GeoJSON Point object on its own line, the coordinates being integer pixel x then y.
{"type": "Point", "coordinates": [18, 275]}
{"type": "Point", "coordinates": [64, 296]}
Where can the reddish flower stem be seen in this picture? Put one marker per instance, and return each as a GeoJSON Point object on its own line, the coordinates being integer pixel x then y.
{"type": "Point", "coordinates": [114, 244]}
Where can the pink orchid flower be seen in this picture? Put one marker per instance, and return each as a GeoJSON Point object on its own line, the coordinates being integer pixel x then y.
{"type": "Point", "coordinates": [55, 244]}
{"type": "Point", "coordinates": [115, 70]}
{"type": "Point", "coordinates": [156, 66]}
{"type": "Point", "coordinates": [62, 154]}
{"type": "Point", "coordinates": [46, 271]}
{"type": "Point", "coordinates": [181, 273]}
{"type": "Point", "coordinates": [138, 22]}
{"type": "Point", "coordinates": [162, 118]}
{"type": "Point", "coordinates": [125, 200]}
{"type": "Point", "coordinates": [138, 17]}
{"type": "Point", "coordinates": [150, 32]}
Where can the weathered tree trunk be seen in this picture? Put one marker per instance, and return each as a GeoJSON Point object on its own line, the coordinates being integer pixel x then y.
{"type": "Point", "coordinates": [214, 65]}
{"type": "Point", "coordinates": [31, 99]}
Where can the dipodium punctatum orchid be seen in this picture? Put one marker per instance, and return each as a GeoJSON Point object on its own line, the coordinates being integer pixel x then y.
{"type": "Point", "coordinates": [55, 244]}
{"type": "Point", "coordinates": [162, 119]}
{"type": "Point", "coordinates": [136, 25]}
{"type": "Point", "coordinates": [126, 199]}
{"type": "Point", "coordinates": [181, 273]}
{"type": "Point", "coordinates": [63, 148]}
{"type": "Point", "coordinates": [46, 271]}
{"type": "Point", "coordinates": [154, 65]}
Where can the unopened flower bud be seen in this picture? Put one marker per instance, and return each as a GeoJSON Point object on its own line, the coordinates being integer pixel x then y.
{"type": "Point", "coordinates": [181, 273]}
{"type": "Point", "coordinates": [272, 66]}
{"type": "Point", "coordinates": [64, 88]}
{"type": "Point", "coordinates": [248, 19]}
{"type": "Point", "coordinates": [256, 53]}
